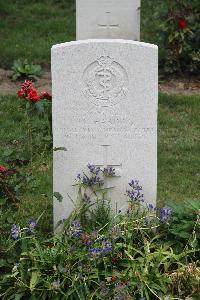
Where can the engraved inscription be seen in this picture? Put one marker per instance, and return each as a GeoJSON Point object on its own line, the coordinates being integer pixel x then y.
{"type": "Point", "coordinates": [88, 134]}
{"type": "Point", "coordinates": [105, 82]}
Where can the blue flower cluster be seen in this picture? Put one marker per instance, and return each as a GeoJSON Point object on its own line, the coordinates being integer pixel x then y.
{"type": "Point", "coordinates": [15, 231]}
{"type": "Point", "coordinates": [94, 170]}
{"type": "Point", "coordinates": [75, 229]}
{"type": "Point", "coordinates": [94, 179]}
{"type": "Point", "coordinates": [135, 194]}
{"type": "Point", "coordinates": [90, 181]}
{"type": "Point", "coordinates": [165, 214]}
{"type": "Point", "coordinates": [104, 248]}
{"type": "Point", "coordinates": [151, 208]}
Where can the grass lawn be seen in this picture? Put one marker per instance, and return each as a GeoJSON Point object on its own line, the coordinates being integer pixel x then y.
{"type": "Point", "coordinates": [178, 148]}
{"type": "Point", "coordinates": [28, 29]}
{"type": "Point", "coordinates": [178, 153]}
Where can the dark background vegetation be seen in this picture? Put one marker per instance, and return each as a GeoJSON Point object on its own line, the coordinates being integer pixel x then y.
{"type": "Point", "coordinates": [28, 29]}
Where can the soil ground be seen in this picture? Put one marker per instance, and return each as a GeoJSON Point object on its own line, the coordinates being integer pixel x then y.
{"type": "Point", "coordinates": [172, 85]}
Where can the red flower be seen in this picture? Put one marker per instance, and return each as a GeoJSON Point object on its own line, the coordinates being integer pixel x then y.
{"type": "Point", "coordinates": [2, 169]}
{"type": "Point", "coordinates": [182, 23]}
{"type": "Point", "coordinates": [27, 86]}
{"type": "Point", "coordinates": [45, 95]}
{"type": "Point", "coordinates": [20, 93]}
{"type": "Point", "coordinates": [32, 95]}
{"type": "Point", "coordinates": [113, 278]}
{"type": "Point", "coordinates": [28, 92]}
{"type": "Point", "coordinates": [25, 89]}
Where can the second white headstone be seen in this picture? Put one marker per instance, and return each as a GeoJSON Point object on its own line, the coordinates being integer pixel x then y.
{"type": "Point", "coordinates": [104, 113]}
{"type": "Point", "coordinates": [112, 19]}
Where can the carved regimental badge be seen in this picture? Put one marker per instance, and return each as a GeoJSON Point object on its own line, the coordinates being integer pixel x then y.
{"type": "Point", "coordinates": [105, 82]}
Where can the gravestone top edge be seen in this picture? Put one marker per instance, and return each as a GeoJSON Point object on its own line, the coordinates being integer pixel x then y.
{"type": "Point", "coordinates": [101, 41]}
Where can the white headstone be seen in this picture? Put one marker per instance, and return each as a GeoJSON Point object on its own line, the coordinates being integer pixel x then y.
{"type": "Point", "coordinates": [113, 19]}
{"type": "Point", "coordinates": [104, 113]}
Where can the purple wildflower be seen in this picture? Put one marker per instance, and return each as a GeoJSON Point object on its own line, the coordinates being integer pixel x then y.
{"type": "Point", "coordinates": [165, 214]}
{"type": "Point", "coordinates": [85, 180]}
{"type": "Point", "coordinates": [107, 246]}
{"type": "Point", "coordinates": [31, 224]}
{"type": "Point", "coordinates": [95, 251]}
{"type": "Point", "coordinates": [75, 229]}
{"type": "Point", "coordinates": [136, 193]}
{"type": "Point", "coordinates": [104, 248]}
{"type": "Point", "coordinates": [135, 184]}
{"type": "Point", "coordinates": [151, 208]}
{"type": "Point", "coordinates": [93, 169]}
{"type": "Point", "coordinates": [94, 180]}
{"type": "Point", "coordinates": [15, 231]}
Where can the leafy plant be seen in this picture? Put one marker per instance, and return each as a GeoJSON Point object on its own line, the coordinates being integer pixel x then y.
{"type": "Point", "coordinates": [177, 24]}
{"type": "Point", "coordinates": [25, 69]}
{"type": "Point", "coordinates": [185, 227]}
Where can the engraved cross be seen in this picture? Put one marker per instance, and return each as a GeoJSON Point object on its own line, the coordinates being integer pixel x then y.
{"type": "Point", "coordinates": [108, 24]}
{"type": "Point", "coordinates": [117, 167]}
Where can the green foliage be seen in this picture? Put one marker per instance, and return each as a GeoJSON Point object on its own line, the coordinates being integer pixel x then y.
{"type": "Point", "coordinates": [184, 218]}
{"type": "Point", "coordinates": [25, 69]}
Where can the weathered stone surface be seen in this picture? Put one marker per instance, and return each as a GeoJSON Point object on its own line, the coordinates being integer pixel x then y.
{"type": "Point", "coordinates": [113, 19]}
{"type": "Point", "coordinates": [104, 113]}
